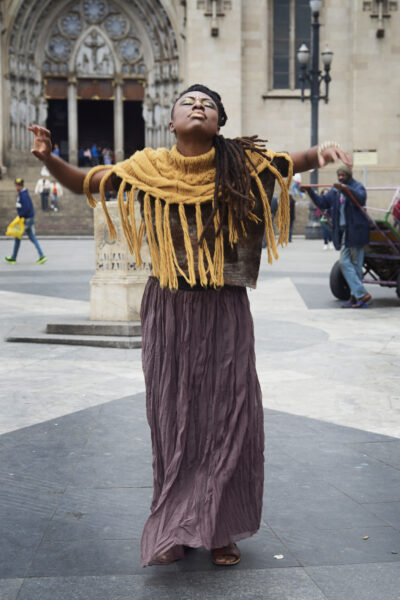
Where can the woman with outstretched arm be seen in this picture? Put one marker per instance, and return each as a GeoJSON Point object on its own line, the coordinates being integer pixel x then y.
{"type": "Point", "coordinates": [205, 208]}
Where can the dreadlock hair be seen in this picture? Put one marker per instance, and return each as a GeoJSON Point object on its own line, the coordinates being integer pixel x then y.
{"type": "Point", "coordinates": [233, 168]}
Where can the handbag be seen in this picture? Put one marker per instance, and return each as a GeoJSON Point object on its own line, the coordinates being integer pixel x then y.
{"type": "Point", "coordinates": [16, 228]}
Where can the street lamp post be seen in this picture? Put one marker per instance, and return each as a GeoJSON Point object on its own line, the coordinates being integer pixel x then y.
{"type": "Point", "coordinates": [314, 77]}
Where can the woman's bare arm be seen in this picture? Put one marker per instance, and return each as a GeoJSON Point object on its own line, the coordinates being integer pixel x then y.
{"type": "Point", "coordinates": [312, 159]}
{"type": "Point", "coordinates": [69, 176]}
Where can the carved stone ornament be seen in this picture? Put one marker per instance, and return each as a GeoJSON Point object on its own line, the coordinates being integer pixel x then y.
{"type": "Point", "coordinates": [129, 50]}
{"type": "Point", "coordinates": [373, 7]}
{"type": "Point", "coordinates": [59, 48]}
{"type": "Point", "coordinates": [214, 9]}
{"type": "Point", "coordinates": [94, 11]}
{"type": "Point", "coordinates": [380, 10]}
{"type": "Point", "coordinates": [222, 6]}
{"type": "Point", "coordinates": [94, 57]}
{"type": "Point", "coordinates": [71, 25]}
{"type": "Point", "coordinates": [116, 26]}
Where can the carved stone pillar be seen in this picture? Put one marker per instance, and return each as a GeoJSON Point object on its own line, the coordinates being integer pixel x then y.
{"type": "Point", "coordinates": [72, 122]}
{"type": "Point", "coordinates": [118, 120]}
{"type": "Point", "coordinates": [117, 287]}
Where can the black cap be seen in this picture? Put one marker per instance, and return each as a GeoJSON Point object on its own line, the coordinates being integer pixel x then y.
{"type": "Point", "coordinates": [19, 181]}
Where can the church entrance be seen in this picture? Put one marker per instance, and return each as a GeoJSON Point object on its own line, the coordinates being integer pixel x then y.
{"type": "Point", "coordinates": [133, 127]}
{"type": "Point", "coordinates": [57, 123]}
{"type": "Point", "coordinates": [87, 70]}
{"type": "Point", "coordinates": [95, 124]}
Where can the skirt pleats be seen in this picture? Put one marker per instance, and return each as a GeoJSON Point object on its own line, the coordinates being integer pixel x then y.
{"type": "Point", "coordinates": [205, 414]}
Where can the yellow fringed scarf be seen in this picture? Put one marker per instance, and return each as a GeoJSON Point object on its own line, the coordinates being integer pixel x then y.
{"type": "Point", "coordinates": [167, 177]}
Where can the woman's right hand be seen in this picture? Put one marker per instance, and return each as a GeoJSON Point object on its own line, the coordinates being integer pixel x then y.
{"type": "Point", "coordinates": [41, 143]}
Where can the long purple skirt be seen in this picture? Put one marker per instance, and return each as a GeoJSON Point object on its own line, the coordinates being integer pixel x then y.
{"type": "Point", "coordinates": [206, 419]}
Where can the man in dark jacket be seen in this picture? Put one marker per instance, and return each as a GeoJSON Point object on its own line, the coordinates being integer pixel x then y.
{"type": "Point", "coordinates": [25, 209]}
{"type": "Point", "coordinates": [350, 231]}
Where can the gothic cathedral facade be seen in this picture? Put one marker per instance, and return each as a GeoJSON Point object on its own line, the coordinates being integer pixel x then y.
{"type": "Point", "coordinates": [106, 72]}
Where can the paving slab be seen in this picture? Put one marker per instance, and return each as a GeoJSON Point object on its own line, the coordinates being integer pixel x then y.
{"type": "Point", "coordinates": [9, 588]}
{"type": "Point", "coordinates": [100, 513]}
{"type": "Point", "coordinates": [75, 452]}
{"type": "Point", "coordinates": [361, 582]}
{"type": "Point", "coordinates": [288, 584]}
{"type": "Point", "coordinates": [368, 544]}
{"type": "Point", "coordinates": [386, 452]}
{"type": "Point", "coordinates": [388, 512]}
{"type": "Point", "coordinates": [89, 522]}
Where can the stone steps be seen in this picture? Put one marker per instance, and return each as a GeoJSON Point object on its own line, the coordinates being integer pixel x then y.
{"type": "Point", "coordinates": [81, 333]}
{"type": "Point", "coordinates": [75, 216]}
{"type": "Point", "coordinates": [101, 328]}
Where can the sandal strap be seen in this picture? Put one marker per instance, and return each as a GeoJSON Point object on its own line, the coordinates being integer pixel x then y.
{"type": "Point", "coordinates": [230, 550]}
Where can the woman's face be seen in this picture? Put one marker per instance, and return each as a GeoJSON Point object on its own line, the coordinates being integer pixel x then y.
{"type": "Point", "coordinates": [195, 113]}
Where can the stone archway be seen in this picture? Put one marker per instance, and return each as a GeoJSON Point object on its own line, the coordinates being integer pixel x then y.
{"type": "Point", "coordinates": [128, 48]}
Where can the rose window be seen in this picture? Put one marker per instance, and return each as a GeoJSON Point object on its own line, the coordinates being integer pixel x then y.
{"type": "Point", "coordinates": [116, 26]}
{"type": "Point", "coordinates": [71, 25]}
{"type": "Point", "coordinates": [94, 11]}
{"type": "Point", "coordinates": [59, 48]}
{"type": "Point", "coordinates": [129, 50]}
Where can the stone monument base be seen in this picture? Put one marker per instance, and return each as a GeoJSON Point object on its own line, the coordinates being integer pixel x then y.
{"type": "Point", "coordinates": [115, 300]}
{"type": "Point", "coordinates": [117, 287]}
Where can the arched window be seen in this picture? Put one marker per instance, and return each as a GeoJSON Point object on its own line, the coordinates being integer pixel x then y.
{"type": "Point", "coordinates": [291, 27]}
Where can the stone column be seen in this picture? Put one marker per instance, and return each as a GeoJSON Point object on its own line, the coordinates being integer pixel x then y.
{"type": "Point", "coordinates": [72, 122]}
{"type": "Point", "coordinates": [118, 120]}
{"type": "Point", "coordinates": [117, 287]}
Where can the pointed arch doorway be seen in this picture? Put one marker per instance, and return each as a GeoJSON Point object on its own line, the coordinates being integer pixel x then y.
{"type": "Point", "coordinates": [90, 114]}
{"type": "Point", "coordinates": [128, 48]}
{"type": "Point", "coordinates": [105, 111]}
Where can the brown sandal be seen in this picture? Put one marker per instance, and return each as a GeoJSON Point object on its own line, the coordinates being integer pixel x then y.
{"type": "Point", "coordinates": [168, 557]}
{"type": "Point", "coordinates": [226, 556]}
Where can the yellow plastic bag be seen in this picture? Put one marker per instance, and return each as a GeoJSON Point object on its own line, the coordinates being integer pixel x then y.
{"type": "Point", "coordinates": [16, 228]}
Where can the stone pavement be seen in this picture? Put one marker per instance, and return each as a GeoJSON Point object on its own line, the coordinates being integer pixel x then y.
{"type": "Point", "coordinates": [75, 463]}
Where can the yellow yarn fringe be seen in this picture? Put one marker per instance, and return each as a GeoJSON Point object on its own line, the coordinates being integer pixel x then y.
{"type": "Point", "coordinates": [154, 172]}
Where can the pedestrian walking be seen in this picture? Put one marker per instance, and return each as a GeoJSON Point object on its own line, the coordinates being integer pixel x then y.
{"type": "Point", "coordinates": [87, 156]}
{"type": "Point", "coordinates": [350, 231]}
{"type": "Point", "coordinates": [42, 189]}
{"type": "Point", "coordinates": [294, 195]}
{"type": "Point", "coordinates": [56, 150]}
{"type": "Point", "coordinates": [325, 220]}
{"type": "Point", "coordinates": [26, 210]}
{"type": "Point", "coordinates": [94, 150]}
{"type": "Point", "coordinates": [56, 194]}
{"type": "Point", "coordinates": [292, 216]}
{"type": "Point", "coordinates": [205, 208]}
{"type": "Point", "coordinates": [107, 156]}
{"type": "Point", "coordinates": [396, 215]}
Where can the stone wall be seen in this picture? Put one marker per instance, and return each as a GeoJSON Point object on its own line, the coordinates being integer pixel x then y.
{"type": "Point", "coordinates": [363, 111]}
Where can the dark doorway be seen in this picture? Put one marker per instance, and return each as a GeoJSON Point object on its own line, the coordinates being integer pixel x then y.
{"type": "Point", "coordinates": [133, 127]}
{"type": "Point", "coordinates": [95, 123]}
{"type": "Point", "coordinates": [57, 123]}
